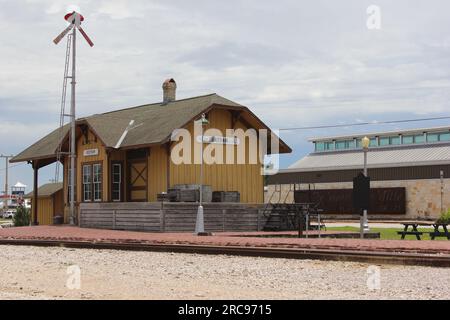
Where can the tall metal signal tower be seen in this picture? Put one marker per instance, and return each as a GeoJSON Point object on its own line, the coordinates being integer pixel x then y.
{"type": "Point", "coordinates": [74, 19]}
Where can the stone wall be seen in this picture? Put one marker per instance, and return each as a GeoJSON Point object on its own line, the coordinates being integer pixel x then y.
{"type": "Point", "coordinates": [423, 197]}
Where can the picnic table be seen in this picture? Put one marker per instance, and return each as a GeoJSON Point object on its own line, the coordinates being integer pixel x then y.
{"type": "Point", "coordinates": [408, 225]}
{"type": "Point", "coordinates": [438, 233]}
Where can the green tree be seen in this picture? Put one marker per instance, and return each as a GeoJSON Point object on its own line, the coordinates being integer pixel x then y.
{"type": "Point", "coordinates": [444, 218]}
{"type": "Point", "coordinates": [22, 217]}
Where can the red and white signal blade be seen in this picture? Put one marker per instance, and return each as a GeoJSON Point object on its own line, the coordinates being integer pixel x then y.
{"type": "Point", "coordinates": [62, 34]}
{"type": "Point", "coordinates": [86, 36]}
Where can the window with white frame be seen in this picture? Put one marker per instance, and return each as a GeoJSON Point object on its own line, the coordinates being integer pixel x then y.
{"type": "Point", "coordinates": [87, 182]}
{"type": "Point", "coordinates": [92, 182]}
{"type": "Point", "coordinates": [97, 181]}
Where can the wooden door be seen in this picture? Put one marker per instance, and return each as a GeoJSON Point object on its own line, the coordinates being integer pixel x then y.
{"type": "Point", "coordinates": [58, 203]}
{"type": "Point", "coordinates": [116, 181]}
{"type": "Point", "coordinates": [137, 180]}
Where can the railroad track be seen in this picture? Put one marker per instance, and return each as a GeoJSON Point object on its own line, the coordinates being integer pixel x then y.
{"type": "Point", "coordinates": [375, 257]}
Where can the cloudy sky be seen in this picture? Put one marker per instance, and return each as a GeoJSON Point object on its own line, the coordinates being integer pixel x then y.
{"type": "Point", "coordinates": [295, 63]}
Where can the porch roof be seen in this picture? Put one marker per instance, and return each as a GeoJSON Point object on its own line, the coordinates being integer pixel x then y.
{"type": "Point", "coordinates": [153, 124]}
{"type": "Point", "coordinates": [46, 190]}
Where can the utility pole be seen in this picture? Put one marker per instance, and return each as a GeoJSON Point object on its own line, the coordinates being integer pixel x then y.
{"type": "Point", "coordinates": [72, 133]}
{"type": "Point", "coordinates": [441, 174]}
{"type": "Point", "coordinates": [6, 175]}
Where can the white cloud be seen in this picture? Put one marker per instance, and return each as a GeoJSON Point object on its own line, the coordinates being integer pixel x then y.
{"type": "Point", "coordinates": [296, 64]}
{"type": "Point", "coordinates": [20, 132]}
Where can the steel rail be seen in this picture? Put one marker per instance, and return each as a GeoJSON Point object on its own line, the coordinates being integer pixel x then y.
{"type": "Point", "coordinates": [377, 257]}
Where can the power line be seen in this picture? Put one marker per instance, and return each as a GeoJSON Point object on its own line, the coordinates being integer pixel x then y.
{"type": "Point", "coordinates": [324, 127]}
{"type": "Point", "coordinates": [374, 122]}
{"type": "Point", "coordinates": [13, 166]}
{"type": "Point", "coordinates": [364, 123]}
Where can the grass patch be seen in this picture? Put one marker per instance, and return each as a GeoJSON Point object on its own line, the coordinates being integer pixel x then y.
{"type": "Point", "coordinates": [390, 233]}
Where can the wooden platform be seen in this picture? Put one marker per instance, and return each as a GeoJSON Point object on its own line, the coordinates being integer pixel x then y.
{"type": "Point", "coordinates": [171, 217]}
{"type": "Point", "coordinates": [432, 253]}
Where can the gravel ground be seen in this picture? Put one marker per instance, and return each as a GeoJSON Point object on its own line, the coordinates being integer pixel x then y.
{"type": "Point", "coordinates": [41, 273]}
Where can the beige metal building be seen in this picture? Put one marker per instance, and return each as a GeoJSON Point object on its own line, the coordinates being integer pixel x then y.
{"type": "Point", "coordinates": [410, 169]}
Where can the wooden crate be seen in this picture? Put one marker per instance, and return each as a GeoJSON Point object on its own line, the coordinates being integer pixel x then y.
{"type": "Point", "coordinates": [187, 192]}
{"type": "Point", "coordinates": [226, 196]}
{"type": "Point", "coordinates": [183, 195]}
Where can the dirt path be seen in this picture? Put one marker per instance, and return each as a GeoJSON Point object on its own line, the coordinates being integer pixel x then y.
{"type": "Point", "coordinates": [41, 273]}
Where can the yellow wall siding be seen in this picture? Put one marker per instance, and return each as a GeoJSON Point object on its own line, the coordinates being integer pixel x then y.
{"type": "Point", "coordinates": [102, 157]}
{"type": "Point", "coordinates": [245, 178]}
{"type": "Point", "coordinates": [45, 211]}
{"type": "Point", "coordinates": [157, 171]}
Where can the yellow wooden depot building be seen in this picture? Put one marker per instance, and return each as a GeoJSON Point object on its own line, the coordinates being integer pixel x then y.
{"type": "Point", "coordinates": [127, 155]}
{"type": "Point", "coordinates": [50, 202]}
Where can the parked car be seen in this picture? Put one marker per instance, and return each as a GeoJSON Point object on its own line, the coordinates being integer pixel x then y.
{"type": "Point", "coordinates": [9, 214]}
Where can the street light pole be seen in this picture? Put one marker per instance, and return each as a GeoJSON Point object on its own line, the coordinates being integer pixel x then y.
{"type": "Point", "coordinates": [364, 225]}
{"type": "Point", "coordinates": [366, 222]}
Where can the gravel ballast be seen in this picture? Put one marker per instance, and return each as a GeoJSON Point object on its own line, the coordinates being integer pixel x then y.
{"type": "Point", "coordinates": [43, 273]}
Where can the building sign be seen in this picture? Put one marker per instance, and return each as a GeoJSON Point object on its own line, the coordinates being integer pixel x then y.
{"type": "Point", "coordinates": [340, 201]}
{"type": "Point", "coordinates": [361, 192]}
{"type": "Point", "coordinates": [219, 140]}
{"type": "Point", "coordinates": [90, 152]}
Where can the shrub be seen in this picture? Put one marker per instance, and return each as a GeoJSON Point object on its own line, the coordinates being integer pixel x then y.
{"type": "Point", "coordinates": [444, 218]}
{"type": "Point", "coordinates": [22, 217]}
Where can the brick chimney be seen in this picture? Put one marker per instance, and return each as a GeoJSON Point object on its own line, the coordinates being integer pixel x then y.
{"type": "Point", "coordinates": [169, 90]}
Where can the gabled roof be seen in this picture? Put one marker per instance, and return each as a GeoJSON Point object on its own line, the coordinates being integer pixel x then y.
{"type": "Point", "coordinates": [43, 148]}
{"type": "Point", "coordinates": [153, 124]}
{"type": "Point", "coordinates": [46, 190]}
{"type": "Point", "coordinates": [423, 155]}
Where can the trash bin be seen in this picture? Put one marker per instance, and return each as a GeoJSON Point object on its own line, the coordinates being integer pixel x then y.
{"type": "Point", "coordinates": [58, 219]}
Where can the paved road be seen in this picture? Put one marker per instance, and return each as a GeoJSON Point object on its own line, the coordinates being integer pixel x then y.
{"type": "Point", "coordinates": [41, 273]}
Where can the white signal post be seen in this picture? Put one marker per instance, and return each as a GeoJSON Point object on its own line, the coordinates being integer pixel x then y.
{"type": "Point", "coordinates": [72, 131]}
{"type": "Point", "coordinates": [199, 222]}
{"type": "Point", "coordinates": [75, 20]}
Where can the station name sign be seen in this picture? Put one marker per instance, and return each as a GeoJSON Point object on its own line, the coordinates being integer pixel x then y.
{"type": "Point", "coordinates": [90, 152]}
{"type": "Point", "coordinates": [219, 140]}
